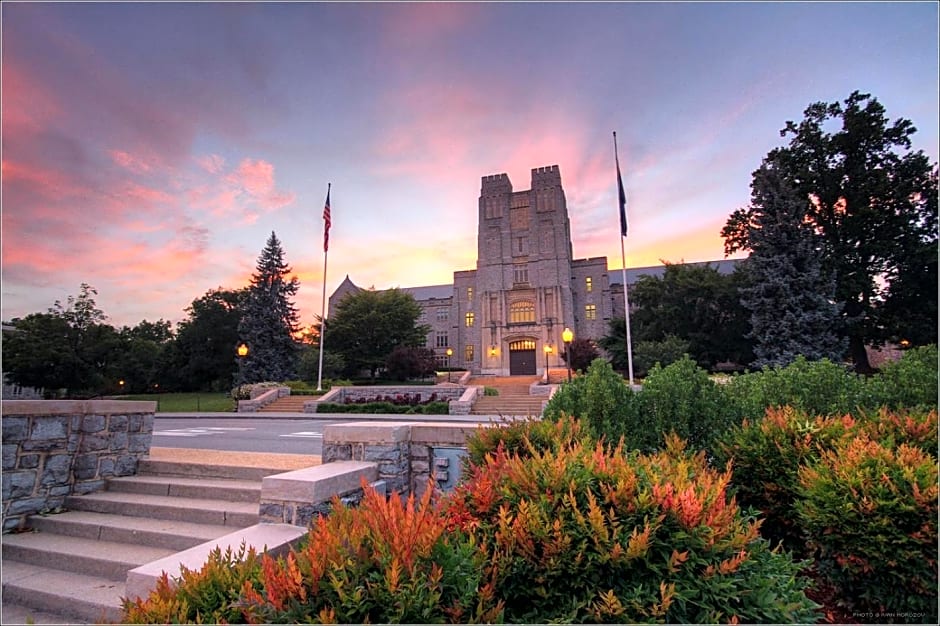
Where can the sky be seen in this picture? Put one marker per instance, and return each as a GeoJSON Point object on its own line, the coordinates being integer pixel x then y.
{"type": "Point", "coordinates": [150, 149]}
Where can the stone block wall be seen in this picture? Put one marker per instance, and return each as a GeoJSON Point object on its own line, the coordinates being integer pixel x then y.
{"type": "Point", "coordinates": [56, 448]}
{"type": "Point", "coordinates": [403, 451]}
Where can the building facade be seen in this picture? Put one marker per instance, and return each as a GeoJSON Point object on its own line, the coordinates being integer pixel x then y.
{"type": "Point", "coordinates": [506, 317]}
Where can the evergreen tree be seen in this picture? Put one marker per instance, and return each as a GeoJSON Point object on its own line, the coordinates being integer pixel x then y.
{"type": "Point", "coordinates": [791, 298]}
{"type": "Point", "coordinates": [269, 319]}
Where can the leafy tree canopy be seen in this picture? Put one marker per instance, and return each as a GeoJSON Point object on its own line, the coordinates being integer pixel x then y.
{"type": "Point", "coordinates": [368, 325]}
{"type": "Point", "coordinates": [873, 202]}
{"type": "Point", "coordinates": [206, 341]}
{"type": "Point", "coordinates": [694, 303]}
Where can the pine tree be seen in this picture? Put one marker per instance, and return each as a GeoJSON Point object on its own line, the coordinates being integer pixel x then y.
{"type": "Point", "coordinates": [269, 320]}
{"type": "Point", "coordinates": [790, 297]}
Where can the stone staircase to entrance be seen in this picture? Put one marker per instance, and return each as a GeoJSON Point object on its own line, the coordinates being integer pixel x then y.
{"type": "Point", "coordinates": [74, 564]}
{"type": "Point", "coordinates": [287, 404]}
{"type": "Point", "coordinates": [513, 399]}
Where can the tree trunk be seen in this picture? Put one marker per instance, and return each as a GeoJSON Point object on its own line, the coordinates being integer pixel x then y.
{"type": "Point", "coordinates": [860, 356]}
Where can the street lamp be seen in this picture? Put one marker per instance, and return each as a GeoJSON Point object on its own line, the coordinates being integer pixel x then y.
{"type": "Point", "coordinates": [548, 350]}
{"type": "Point", "coordinates": [242, 352]}
{"type": "Point", "coordinates": [450, 353]}
{"type": "Point", "coordinates": [567, 336]}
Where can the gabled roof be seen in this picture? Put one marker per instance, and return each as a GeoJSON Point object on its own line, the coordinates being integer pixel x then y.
{"type": "Point", "coordinates": [431, 292]}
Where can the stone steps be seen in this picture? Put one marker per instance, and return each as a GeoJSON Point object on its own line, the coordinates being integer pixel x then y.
{"type": "Point", "coordinates": [287, 404]}
{"type": "Point", "coordinates": [74, 564]}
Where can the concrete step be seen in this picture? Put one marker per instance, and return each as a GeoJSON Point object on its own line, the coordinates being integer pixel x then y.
{"type": "Point", "coordinates": [50, 596]}
{"type": "Point", "coordinates": [158, 533]}
{"type": "Point", "coordinates": [154, 467]}
{"type": "Point", "coordinates": [287, 404]}
{"type": "Point", "coordinates": [89, 557]}
{"type": "Point", "coordinates": [232, 490]}
{"type": "Point", "coordinates": [198, 510]}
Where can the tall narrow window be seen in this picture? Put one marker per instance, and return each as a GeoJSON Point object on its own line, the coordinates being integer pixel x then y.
{"type": "Point", "coordinates": [468, 353]}
{"type": "Point", "coordinates": [442, 339]}
{"type": "Point", "coordinates": [442, 314]}
{"type": "Point", "coordinates": [470, 318]}
{"type": "Point", "coordinates": [589, 284]}
{"type": "Point", "coordinates": [470, 294]}
{"type": "Point", "coordinates": [521, 312]}
{"type": "Point", "coordinates": [520, 275]}
{"type": "Point", "coordinates": [590, 311]}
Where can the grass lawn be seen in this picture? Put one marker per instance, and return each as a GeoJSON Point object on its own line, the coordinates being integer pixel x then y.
{"type": "Point", "coordinates": [186, 402]}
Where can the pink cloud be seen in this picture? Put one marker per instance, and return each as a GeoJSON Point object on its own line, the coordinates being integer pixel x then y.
{"type": "Point", "coordinates": [256, 179]}
{"type": "Point", "coordinates": [130, 162]}
{"type": "Point", "coordinates": [212, 163]}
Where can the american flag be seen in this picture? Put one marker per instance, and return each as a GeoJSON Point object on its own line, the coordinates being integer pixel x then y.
{"type": "Point", "coordinates": [327, 221]}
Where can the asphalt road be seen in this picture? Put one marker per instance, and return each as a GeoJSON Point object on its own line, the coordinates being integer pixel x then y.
{"type": "Point", "coordinates": [286, 436]}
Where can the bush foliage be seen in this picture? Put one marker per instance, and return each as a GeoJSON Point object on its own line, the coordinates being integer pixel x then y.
{"type": "Point", "coordinates": [389, 561]}
{"type": "Point", "coordinates": [870, 515]}
{"type": "Point", "coordinates": [589, 533]}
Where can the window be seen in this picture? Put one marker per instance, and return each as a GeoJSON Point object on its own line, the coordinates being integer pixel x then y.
{"type": "Point", "coordinates": [443, 314]}
{"type": "Point", "coordinates": [523, 344]}
{"type": "Point", "coordinates": [521, 312]}
{"type": "Point", "coordinates": [468, 353]}
{"type": "Point", "coordinates": [589, 284]}
{"type": "Point", "coordinates": [470, 294]}
{"type": "Point", "coordinates": [470, 317]}
{"type": "Point", "coordinates": [590, 311]}
{"type": "Point", "coordinates": [442, 340]}
{"type": "Point", "coordinates": [520, 275]}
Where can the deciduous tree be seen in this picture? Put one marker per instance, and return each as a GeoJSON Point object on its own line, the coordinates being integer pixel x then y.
{"type": "Point", "coordinates": [368, 325]}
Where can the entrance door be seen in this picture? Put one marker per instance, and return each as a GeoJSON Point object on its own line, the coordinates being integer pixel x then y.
{"type": "Point", "coordinates": [522, 358]}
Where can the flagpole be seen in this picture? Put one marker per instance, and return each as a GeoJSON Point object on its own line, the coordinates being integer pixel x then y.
{"type": "Point", "coordinates": [326, 233]}
{"type": "Point", "coordinates": [623, 260]}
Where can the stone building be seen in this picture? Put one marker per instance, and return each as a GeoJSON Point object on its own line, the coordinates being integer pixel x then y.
{"type": "Point", "coordinates": [506, 317]}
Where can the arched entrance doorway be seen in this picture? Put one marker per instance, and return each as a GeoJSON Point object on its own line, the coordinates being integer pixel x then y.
{"type": "Point", "coordinates": [522, 358]}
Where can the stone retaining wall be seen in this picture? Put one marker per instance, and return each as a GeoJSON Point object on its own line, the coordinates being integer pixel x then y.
{"type": "Point", "coordinates": [56, 448]}
{"type": "Point", "coordinates": [403, 451]}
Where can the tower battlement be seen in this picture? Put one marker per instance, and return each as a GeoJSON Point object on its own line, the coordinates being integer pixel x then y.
{"type": "Point", "coordinates": [549, 175]}
{"type": "Point", "coordinates": [494, 184]}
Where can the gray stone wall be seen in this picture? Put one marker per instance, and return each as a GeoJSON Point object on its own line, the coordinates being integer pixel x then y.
{"type": "Point", "coordinates": [444, 393]}
{"type": "Point", "coordinates": [55, 448]}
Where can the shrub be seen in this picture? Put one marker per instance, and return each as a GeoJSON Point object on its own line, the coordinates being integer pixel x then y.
{"type": "Point", "coordinates": [767, 455]}
{"type": "Point", "coordinates": [605, 405]}
{"type": "Point", "coordinates": [870, 513]}
{"type": "Point", "coordinates": [907, 383]}
{"type": "Point", "coordinates": [816, 387]}
{"type": "Point", "coordinates": [208, 595]}
{"type": "Point", "coordinates": [580, 353]}
{"type": "Point", "coordinates": [522, 437]}
{"type": "Point", "coordinates": [406, 362]}
{"type": "Point", "coordinates": [681, 398]}
{"type": "Point", "coordinates": [490, 391]}
{"type": "Point", "coordinates": [244, 392]}
{"type": "Point", "coordinates": [646, 354]}
{"type": "Point", "coordinates": [593, 534]}
{"type": "Point", "coordinates": [388, 561]}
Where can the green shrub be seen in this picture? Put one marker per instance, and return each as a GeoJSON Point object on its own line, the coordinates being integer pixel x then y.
{"type": "Point", "coordinates": [681, 398]}
{"type": "Point", "coordinates": [389, 561]}
{"type": "Point", "coordinates": [490, 391]}
{"type": "Point", "coordinates": [605, 405]}
{"type": "Point", "coordinates": [815, 387]}
{"type": "Point", "coordinates": [522, 437]}
{"type": "Point", "coordinates": [206, 596]}
{"type": "Point", "coordinates": [907, 383]}
{"type": "Point", "coordinates": [593, 534]}
{"type": "Point", "coordinates": [870, 513]}
{"type": "Point", "coordinates": [646, 354]}
{"type": "Point", "coordinates": [381, 408]}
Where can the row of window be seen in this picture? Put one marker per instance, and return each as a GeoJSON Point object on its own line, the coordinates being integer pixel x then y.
{"type": "Point", "coordinates": [444, 360]}
{"type": "Point", "coordinates": [519, 313]}
{"type": "Point", "coordinates": [520, 276]}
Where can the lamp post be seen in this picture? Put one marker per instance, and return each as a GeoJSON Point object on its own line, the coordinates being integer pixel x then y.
{"type": "Point", "coordinates": [242, 352]}
{"type": "Point", "coordinates": [548, 350]}
{"type": "Point", "coordinates": [450, 353]}
{"type": "Point", "coordinates": [567, 336]}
